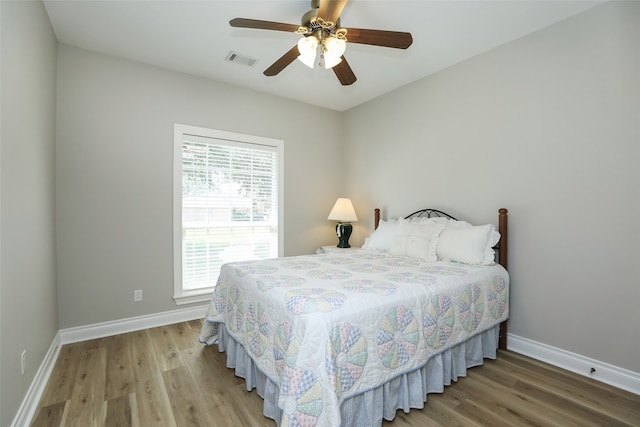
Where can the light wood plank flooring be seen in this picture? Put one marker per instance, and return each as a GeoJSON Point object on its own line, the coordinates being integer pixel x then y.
{"type": "Point", "coordinates": [164, 377]}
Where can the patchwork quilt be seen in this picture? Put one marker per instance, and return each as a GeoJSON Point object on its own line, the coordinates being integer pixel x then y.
{"type": "Point", "coordinates": [330, 326]}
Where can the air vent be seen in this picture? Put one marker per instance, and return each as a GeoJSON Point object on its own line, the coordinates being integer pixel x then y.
{"type": "Point", "coordinates": [239, 58]}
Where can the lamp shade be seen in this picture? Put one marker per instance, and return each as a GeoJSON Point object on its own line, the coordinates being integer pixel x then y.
{"type": "Point", "coordinates": [331, 61]}
{"type": "Point", "coordinates": [333, 50]}
{"type": "Point", "coordinates": [343, 211]}
{"type": "Point", "coordinates": [307, 47]}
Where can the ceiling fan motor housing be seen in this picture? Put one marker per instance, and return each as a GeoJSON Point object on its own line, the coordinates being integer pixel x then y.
{"type": "Point", "coordinates": [312, 23]}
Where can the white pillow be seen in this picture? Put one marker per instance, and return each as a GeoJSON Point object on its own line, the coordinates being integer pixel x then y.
{"type": "Point", "coordinates": [416, 239]}
{"type": "Point", "coordinates": [462, 242]}
{"type": "Point", "coordinates": [381, 238]}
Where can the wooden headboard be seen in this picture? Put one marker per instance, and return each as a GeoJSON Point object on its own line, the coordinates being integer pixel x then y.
{"type": "Point", "coordinates": [501, 247]}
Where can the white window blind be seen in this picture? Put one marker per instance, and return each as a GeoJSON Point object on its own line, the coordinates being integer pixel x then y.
{"type": "Point", "coordinates": [230, 206]}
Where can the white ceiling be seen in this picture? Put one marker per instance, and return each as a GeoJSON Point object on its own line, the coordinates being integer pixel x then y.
{"type": "Point", "coordinates": [195, 37]}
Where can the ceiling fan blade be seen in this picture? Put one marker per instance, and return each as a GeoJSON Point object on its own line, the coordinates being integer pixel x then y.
{"type": "Point", "coordinates": [330, 10]}
{"type": "Point", "coordinates": [395, 39]}
{"type": "Point", "coordinates": [283, 62]}
{"type": "Point", "coordinates": [262, 25]}
{"type": "Point", "coordinates": [344, 73]}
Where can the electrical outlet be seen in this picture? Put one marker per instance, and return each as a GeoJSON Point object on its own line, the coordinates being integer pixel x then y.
{"type": "Point", "coordinates": [137, 295]}
{"type": "Point", "coordinates": [23, 361]}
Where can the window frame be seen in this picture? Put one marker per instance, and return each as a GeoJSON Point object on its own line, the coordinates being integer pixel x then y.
{"type": "Point", "coordinates": [232, 138]}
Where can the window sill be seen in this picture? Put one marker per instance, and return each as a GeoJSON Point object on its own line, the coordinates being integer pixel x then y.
{"type": "Point", "coordinates": [190, 298]}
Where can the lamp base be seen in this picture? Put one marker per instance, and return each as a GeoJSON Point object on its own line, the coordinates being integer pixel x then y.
{"type": "Point", "coordinates": [343, 231]}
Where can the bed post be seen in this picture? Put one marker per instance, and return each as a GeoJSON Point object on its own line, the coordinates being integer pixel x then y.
{"type": "Point", "coordinates": [376, 218]}
{"type": "Point", "coordinates": [503, 253]}
{"type": "Point", "coordinates": [503, 261]}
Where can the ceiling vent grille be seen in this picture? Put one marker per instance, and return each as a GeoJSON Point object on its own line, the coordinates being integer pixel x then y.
{"type": "Point", "coordinates": [238, 58]}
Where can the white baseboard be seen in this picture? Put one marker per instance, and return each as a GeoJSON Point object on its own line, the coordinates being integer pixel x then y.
{"type": "Point", "coordinates": [83, 333]}
{"type": "Point", "coordinates": [34, 393]}
{"type": "Point", "coordinates": [115, 327]}
{"type": "Point", "coordinates": [576, 363]}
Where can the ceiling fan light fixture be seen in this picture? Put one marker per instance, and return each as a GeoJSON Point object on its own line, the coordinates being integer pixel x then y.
{"type": "Point", "coordinates": [308, 46]}
{"type": "Point", "coordinates": [331, 61]}
{"type": "Point", "coordinates": [307, 60]}
{"type": "Point", "coordinates": [333, 48]}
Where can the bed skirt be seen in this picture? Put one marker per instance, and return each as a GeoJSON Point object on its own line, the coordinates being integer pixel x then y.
{"type": "Point", "coordinates": [371, 407]}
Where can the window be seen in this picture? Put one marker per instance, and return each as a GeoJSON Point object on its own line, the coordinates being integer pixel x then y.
{"type": "Point", "coordinates": [227, 205]}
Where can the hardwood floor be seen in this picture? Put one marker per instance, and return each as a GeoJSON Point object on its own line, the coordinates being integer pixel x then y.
{"type": "Point", "coordinates": [164, 377]}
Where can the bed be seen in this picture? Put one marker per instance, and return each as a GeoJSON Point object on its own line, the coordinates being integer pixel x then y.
{"type": "Point", "coordinates": [348, 337]}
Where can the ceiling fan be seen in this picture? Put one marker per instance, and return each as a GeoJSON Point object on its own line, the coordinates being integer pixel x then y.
{"type": "Point", "coordinates": [321, 31]}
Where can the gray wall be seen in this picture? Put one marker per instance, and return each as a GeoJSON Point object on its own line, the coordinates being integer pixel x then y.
{"type": "Point", "coordinates": [547, 126]}
{"type": "Point", "coordinates": [114, 176]}
{"type": "Point", "coordinates": [28, 311]}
